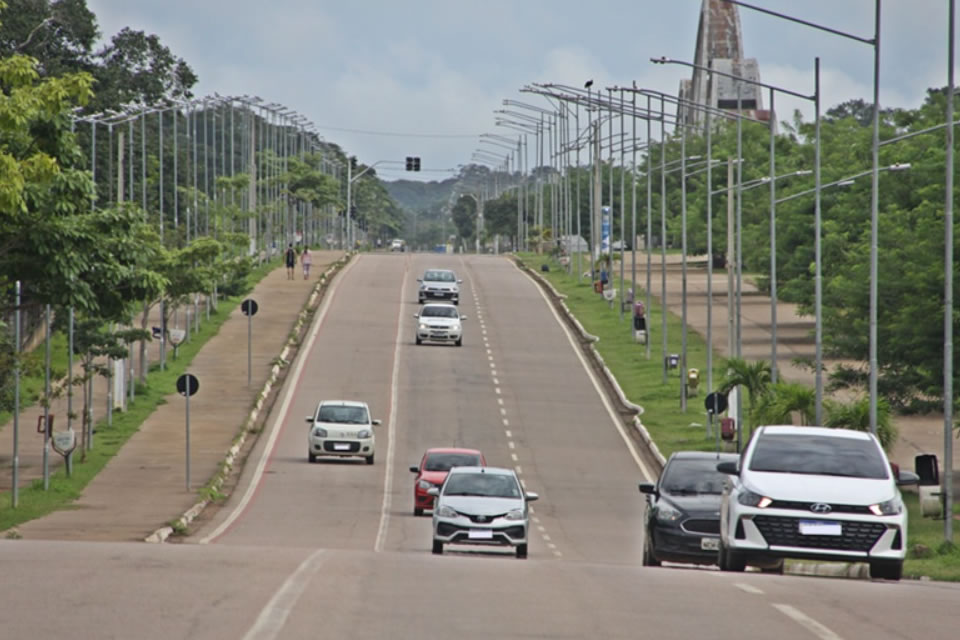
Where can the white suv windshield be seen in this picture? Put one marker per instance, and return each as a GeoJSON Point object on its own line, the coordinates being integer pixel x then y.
{"type": "Point", "coordinates": [818, 455]}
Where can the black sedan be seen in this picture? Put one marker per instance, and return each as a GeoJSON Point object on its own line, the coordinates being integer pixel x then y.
{"type": "Point", "coordinates": [683, 509]}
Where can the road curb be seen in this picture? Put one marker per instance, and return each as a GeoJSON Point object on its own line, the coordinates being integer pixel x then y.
{"type": "Point", "coordinates": [226, 466]}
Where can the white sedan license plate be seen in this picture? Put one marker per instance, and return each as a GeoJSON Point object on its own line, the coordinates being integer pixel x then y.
{"type": "Point", "coordinates": [480, 534]}
{"type": "Point", "coordinates": [341, 446]}
{"type": "Point", "coordinates": [820, 528]}
{"type": "Point", "coordinates": [709, 544]}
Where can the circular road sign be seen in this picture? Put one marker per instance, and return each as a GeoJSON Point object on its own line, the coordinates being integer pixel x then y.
{"type": "Point", "coordinates": [716, 402]}
{"type": "Point", "coordinates": [187, 384]}
{"type": "Point", "coordinates": [249, 307]}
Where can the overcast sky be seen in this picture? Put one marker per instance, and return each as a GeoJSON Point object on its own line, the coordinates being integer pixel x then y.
{"type": "Point", "coordinates": [425, 76]}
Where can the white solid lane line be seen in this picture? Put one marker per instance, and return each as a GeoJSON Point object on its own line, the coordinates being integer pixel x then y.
{"type": "Point", "coordinates": [749, 588]}
{"type": "Point", "coordinates": [807, 622]}
{"type": "Point", "coordinates": [596, 384]}
{"type": "Point", "coordinates": [273, 616]}
{"type": "Point", "coordinates": [277, 424]}
{"type": "Point", "coordinates": [391, 427]}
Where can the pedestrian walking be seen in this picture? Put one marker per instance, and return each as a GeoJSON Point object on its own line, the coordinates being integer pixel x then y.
{"type": "Point", "coordinates": [306, 259]}
{"type": "Point", "coordinates": [291, 260]}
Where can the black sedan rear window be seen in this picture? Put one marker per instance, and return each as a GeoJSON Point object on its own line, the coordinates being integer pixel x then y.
{"type": "Point", "coordinates": [819, 455]}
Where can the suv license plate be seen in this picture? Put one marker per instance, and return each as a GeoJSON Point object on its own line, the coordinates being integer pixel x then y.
{"type": "Point", "coordinates": [480, 534]}
{"type": "Point", "coordinates": [709, 544]}
{"type": "Point", "coordinates": [820, 528]}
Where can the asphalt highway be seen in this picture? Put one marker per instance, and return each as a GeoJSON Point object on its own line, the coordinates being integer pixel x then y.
{"type": "Point", "coordinates": [332, 549]}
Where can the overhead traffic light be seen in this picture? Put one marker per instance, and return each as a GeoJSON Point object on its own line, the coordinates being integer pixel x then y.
{"type": "Point", "coordinates": [413, 163]}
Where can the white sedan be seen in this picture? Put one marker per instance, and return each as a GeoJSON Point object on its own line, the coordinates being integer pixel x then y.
{"type": "Point", "coordinates": [439, 323]}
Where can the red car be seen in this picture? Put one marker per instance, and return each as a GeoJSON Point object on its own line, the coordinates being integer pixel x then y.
{"type": "Point", "coordinates": [432, 471]}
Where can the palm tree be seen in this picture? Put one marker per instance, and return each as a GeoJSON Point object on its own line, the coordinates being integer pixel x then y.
{"type": "Point", "coordinates": [785, 399]}
{"type": "Point", "coordinates": [856, 415]}
{"type": "Point", "coordinates": [755, 376]}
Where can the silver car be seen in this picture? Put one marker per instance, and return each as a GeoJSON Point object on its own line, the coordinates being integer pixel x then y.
{"type": "Point", "coordinates": [439, 284]}
{"type": "Point", "coordinates": [481, 506]}
{"type": "Point", "coordinates": [439, 323]}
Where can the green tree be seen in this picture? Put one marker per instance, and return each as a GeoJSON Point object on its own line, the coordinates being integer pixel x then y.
{"type": "Point", "coordinates": [752, 376]}
{"type": "Point", "coordinates": [856, 415]}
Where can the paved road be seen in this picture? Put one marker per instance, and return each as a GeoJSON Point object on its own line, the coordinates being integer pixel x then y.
{"type": "Point", "coordinates": [333, 550]}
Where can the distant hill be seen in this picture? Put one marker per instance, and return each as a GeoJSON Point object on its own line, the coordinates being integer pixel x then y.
{"type": "Point", "coordinates": [416, 196]}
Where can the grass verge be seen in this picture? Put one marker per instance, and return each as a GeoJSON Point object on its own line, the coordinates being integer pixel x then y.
{"type": "Point", "coordinates": [34, 502]}
{"type": "Point", "coordinates": [675, 430]}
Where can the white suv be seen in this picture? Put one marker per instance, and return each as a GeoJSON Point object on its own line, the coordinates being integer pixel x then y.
{"type": "Point", "coordinates": [341, 428]}
{"type": "Point", "coordinates": [816, 493]}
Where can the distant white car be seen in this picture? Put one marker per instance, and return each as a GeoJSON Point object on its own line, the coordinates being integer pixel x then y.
{"type": "Point", "coordinates": [397, 245]}
{"type": "Point", "coordinates": [439, 322]}
{"type": "Point", "coordinates": [816, 493]}
{"type": "Point", "coordinates": [439, 284]}
{"type": "Point", "coordinates": [341, 428]}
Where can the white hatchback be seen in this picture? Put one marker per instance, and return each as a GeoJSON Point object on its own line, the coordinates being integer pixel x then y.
{"type": "Point", "coordinates": [815, 493]}
{"type": "Point", "coordinates": [439, 322]}
{"type": "Point", "coordinates": [341, 428]}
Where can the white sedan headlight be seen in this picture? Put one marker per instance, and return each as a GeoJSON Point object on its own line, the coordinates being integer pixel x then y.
{"type": "Point", "coordinates": [424, 326]}
{"type": "Point", "coordinates": [447, 512]}
{"type": "Point", "coordinates": [515, 514]}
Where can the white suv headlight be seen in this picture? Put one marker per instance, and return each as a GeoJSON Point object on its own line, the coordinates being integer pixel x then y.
{"type": "Point", "coordinates": [751, 499]}
{"type": "Point", "coordinates": [891, 507]}
{"type": "Point", "coordinates": [446, 512]}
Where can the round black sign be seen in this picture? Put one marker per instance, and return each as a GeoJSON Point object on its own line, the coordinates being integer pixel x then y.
{"type": "Point", "coordinates": [249, 307]}
{"type": "Point", "coordinates": [185, 380]}
{"type": "Point", "coordinates": [716, 402]}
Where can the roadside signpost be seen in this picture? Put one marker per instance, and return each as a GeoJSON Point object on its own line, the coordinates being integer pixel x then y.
{"type": "Point", "coordinates": [187, 385]}
{"type": "Point", "coordinates": [64, 442]}
{"type": "Point", "coordinates": [249, 308]}
{"type": "Point", "coordinates": [716, 403]}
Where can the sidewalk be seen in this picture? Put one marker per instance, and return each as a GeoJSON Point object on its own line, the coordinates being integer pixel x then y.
{"type": "Point", "coordinates": [918, 434]}
{"type": "Point", "coordinates": [143, 487]}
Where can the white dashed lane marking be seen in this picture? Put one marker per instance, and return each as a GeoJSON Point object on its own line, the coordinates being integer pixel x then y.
{"type": "Point", "coordinates": [509, 435]}
{"type": "Point", "coordinates": [749, 588]}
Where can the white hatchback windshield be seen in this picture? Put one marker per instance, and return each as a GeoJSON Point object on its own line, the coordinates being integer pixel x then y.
{"type": "Point", "coordinates": [439, 276]}
{"type": "Point", "coordinates": [439, 312]}
{"type": "Point", "coordinates": [343, 414]}
{"type": "Point", "coordinates": [819, 455]}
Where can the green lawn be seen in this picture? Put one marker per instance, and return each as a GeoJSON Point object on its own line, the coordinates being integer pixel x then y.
{"type": "Point", "coordinates": [675, 430]}
{"type": "Point", "coordinates": [35, 502]}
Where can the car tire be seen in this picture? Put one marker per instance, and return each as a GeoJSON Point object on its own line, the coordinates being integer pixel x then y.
{"type": "Point", "coordinates": [459, 342]}
{"type": "Point", "coordinates": [311, 458]}
{"type": "Point", "coordinates": [886, 570]}
{"type": "Point", "coordinates": [521, 551]}
{"type": "Point", "coordinates": [649, 560]}
{"type": "Point", "coordinates": [729, 560]}
{"type": "Point", "coordinates": [419, 341]}
{"type": "Point", "coordinates": [417, 511]}
{"type": "Point", "coordinates": [437, 547]}
{"type": "Point", "coordinates": [369, 459]}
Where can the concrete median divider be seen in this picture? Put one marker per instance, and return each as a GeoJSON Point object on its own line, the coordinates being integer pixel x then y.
{"type": "Point", "coordinates": [282, 361]}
